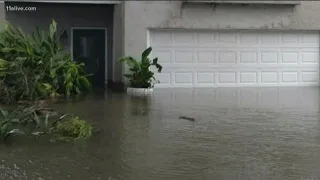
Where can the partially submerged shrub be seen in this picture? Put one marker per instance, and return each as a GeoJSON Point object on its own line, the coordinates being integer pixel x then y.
{"type": "Point", "coordinates": [34, 67]}
{"type": "Point", "coordinates": [4, 130]}
{"type": "Point", "coordinates": [73, 128]}
{"type": "Point", "coordinates": [34, 121]}
{"type": "Point", "coordinates": [7, 123]}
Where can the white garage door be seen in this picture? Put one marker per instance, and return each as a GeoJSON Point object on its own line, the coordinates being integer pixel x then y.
{"type": "Point", "coordinates": [244, 58]}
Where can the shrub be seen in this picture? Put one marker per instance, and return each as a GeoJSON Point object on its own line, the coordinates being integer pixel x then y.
{"type": "Point", "coordinates": [33, 66]}
{"type": "Point", "coordinates": [141, 76]}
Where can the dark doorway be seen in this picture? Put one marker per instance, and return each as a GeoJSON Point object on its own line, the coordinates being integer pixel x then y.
{"type": "Point", "coordinates": [89, 47]}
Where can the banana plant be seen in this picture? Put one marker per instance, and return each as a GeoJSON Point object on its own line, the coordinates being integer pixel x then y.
{"type": "Point", "coordinates": [33, 66]}
{"type": "Point", "coordinates": [141, 76]}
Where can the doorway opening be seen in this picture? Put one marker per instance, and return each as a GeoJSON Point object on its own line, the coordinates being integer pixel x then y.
{"type": "Point", "coordinates": [89, 46]}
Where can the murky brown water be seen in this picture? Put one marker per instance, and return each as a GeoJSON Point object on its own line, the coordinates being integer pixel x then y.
{"type": "Point", "coordinates": [250, 133]}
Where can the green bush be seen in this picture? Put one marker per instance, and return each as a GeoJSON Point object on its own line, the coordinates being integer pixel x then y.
{"type": "Point", "coordinates": [73, 128]}
{"type": "Point", "coordinates": [33, 66]}
{"type": "Point", "coordinates": [141, 76]}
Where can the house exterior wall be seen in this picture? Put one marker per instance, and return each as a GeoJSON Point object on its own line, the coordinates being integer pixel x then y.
{"type": "Point", "coordinates": [2, 13]}
{"type": "Point", "coordinates": [118, 38]}
{"type": "Point", "coordinates": [128, 22]}
{"type": "Point", "coordinates": [66, 16]}
{"type": "Point", "coordinates": [143, 15]}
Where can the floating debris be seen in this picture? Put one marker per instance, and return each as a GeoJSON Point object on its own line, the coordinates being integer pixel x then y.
{"type": "Point", "coordinates": [187, 118]}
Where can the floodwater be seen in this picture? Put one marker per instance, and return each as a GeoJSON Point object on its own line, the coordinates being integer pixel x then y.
{"type": "Point", "coordinates": [239, 133]}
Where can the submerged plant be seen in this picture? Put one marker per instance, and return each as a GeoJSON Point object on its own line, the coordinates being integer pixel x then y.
{"type": "Point", "coordinates": [34, 121]}
{"type": "Point", "coordinates": [7, 123]}
{"type": "Point", "coordinates": [73, 128]}
{"type": "Point", "coordinates": [4, 130]}
{"type": "Point", "coordinates": [141, 76]}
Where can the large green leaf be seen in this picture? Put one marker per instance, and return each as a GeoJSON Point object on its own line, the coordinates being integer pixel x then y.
{"type": "Point", "coordinates": [159, 67]}
{"type": "Point", "coordinates": [3, 63]}
{"type": "Point", "coordinates": [53, 29]}
{"type": "Point", "coordinates": [21, 33]}
{"type": "Point", "coordinates": [155, 61]}
{"type": "Point", "coordinates": [146, 53]}
{"type": "Point", "coordinates": [7, 49]}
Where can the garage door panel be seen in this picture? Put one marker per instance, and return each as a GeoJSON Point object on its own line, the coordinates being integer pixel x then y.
{"type": "Point", "coordinates": [227, 38]}
{"type": "Point", "coordinates": [269, 38]}
{"type": "Point", "coordinates": [207, 38]}
{"type": "Point", "coordinates": [291, 77]}
{"type": "Point", "coordinates": [251, 38]}
{"type": "Point", "coordinates": [213, 78]}
{"type": "Point", "coordinates": [231, 39]}
{"type": "Point", "coordinates": [248, 57]}
{"type": "Point", "coordinates": [161, 38]}
{"type": "Point", "coordinates": [248, 77]}
{"type": "Point", "coordinates": [310, 57]}
{"type": "Point", "coordinates": [310, 76]}
{"type": "Point", "coordinates": [290, 38]}
{"type": "Point", "coordinates": [252, 67]}
{"type": "Point", "coordinates": [310, 38]}
{"type": "Point", "coordinates": [206, 56]}
{"type": "Point", "coordinates": [183, 78]}
{"type": "Point", "coordinates": [290, 57]}
{"type": "Point", "coordinates": [219, 45]}
{"type": "Point", "coordinates": [241, 56]}
{"type": "Point", "coordinates": [243, 78]}
{"type": "Point", "coordinates": [205, 78]}
{"type": "Point", "coordinates": [181, 38]}
{"type": "Point", "coordinates": [164, 55]}
{"type": "Point", "coordinates": [227, 57]}
{"type": "Point", "coordinates": [223, 59]}
{"type": "Point", "coordinates": [227, 77]}
{"type": "Point", "coordinates": [164, 78]}
{"type": "Point", "coordinates": [184, 56]}
{"type": "Point", "coordinates": [269, 57]}
{"type": "Point", "coordinates": [269, 77]}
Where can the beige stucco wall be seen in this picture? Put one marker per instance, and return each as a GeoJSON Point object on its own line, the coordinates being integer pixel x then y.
{"type": "Point", "coordinates": [141, 15]}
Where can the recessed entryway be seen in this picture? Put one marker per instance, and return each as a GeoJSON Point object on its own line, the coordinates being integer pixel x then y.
{"type": "Point", "coordinates": [89, 45]}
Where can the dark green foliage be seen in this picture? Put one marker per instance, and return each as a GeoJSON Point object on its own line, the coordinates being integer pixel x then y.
{"type": "Point", "coordinates": [141, 76]}
{"type": "Point", "coordinates": [33, 66]}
